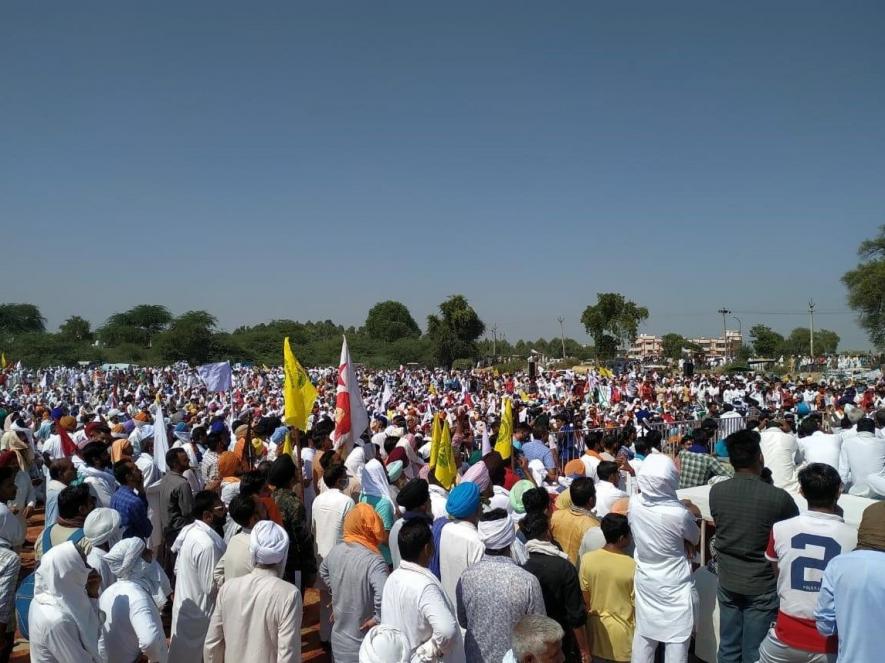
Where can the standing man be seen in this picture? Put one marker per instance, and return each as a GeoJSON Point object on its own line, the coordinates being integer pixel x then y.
{"type": "Point", "coordinates": [460, 544]}
{"type": "Point", "coordinates": [176, 505]}
{"type": "Point", "coordinates": [745, 508]}
{"type": "Point", "coordinates": [198, 548]}
{"type": "Point", "coordinates": [494, 594]}
{"type": "Point", "coordinates": [802, 547]}
{"type": "Point", "coordinates": [327, 523]}
{"type": "Point", "coordinates": [665, 533]}
{"type": "Point", "coordinates": [568, 526]}
{"type": "Point", "coordinates": [61, 474]}
{"type": "Point", "coordinates": [780, 450]}
{"type": "Point", "coordinates": [414, 499]}
{"type": "Point", "coordinates": [257, 617]}
{"type": "Point", "coordinates": [130, 501]}
{"type": "Point", "coordinates": [97, 473]}
{"type": "Point", "coordinates": [852, 594]}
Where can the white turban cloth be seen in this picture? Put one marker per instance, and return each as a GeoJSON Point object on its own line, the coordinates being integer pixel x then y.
{"type": "Point", "coordinates": [268, 543]}
{"type": "Point", "coordinates": [496, 534]}
{"type": "Point", "coordinates": [103, 526]}
{"type": "Point", "coordinates": [384, 644]}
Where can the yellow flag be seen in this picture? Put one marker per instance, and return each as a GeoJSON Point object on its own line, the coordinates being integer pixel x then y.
{"type": "Point", "coordinates": [504, 443]}
{"type": "Point", "coordinates": [3, 360]}
{"type": "Point", "coordinates": [298, 391]}
{"type": "Point", "coordinates": [445, 470]}
{"type": "Point", "coordinates": [288, 445]}
{"type": "Point", "coordinates": [435, 437]}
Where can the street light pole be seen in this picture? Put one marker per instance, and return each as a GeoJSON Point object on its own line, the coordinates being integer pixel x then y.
{"type": "Point", "coordinates": [724, 312]}
{"type": "Point", "coordinates": [562, 334]}
{"type": "Point", "coordinates": [811, 330]}
{"type": "Point", "coordinates": [740, 329]}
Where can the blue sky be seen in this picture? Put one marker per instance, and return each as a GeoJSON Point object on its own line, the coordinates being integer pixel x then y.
{"type": "Point", "coordinates": [306, 160]}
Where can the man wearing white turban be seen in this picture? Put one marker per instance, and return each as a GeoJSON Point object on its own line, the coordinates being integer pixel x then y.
{"type": "Point", "coordinates": [665, 593]}
{"type": "Point", "coordinates": [64, 627]}
{"type": "Point", "coordinates": [384, 644]}
{"type": "Point", "coordinates": [102, 528]}
{"type": "Point", "coordinates": [257, 617]}
{"type": "Point", "coordinates": [132, 618]}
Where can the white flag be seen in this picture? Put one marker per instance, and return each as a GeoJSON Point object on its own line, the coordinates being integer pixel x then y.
{"type": "Point", "coordinates": [351, 418]}
{"type": "Point", "coordinates": [161, 441]}
{"type": "Point", "coordinates": [387, 395]}
{"type": "Point", "coordinates": [216, 376]}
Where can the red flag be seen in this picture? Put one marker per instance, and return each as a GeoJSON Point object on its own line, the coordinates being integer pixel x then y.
{"type": "Point", "coordinates": [351, 418]}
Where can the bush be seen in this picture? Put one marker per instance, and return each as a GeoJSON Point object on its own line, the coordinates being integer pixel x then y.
{"type": "Point", "coordinates": [462, 364]}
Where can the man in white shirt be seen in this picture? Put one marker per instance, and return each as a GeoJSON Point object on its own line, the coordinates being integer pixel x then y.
{"type": "Point", "coordinates": [459, 543]}
{"type": "Point", "coordinates": [327, 521]}
{"type": "Point", "coordinates": [198, 547]}
{"type": "Point", "coordinates": [815, 446]}
{"type": "Point", "coordinates": [413, 600]}
{"type": "Point", "coordinates": [258, 616]}
{"type": "Point", "coordinates": [802, 547]}
{"type": "Point", "coordinates": [97, 474]}
{"type": "Point", "coordinates": [132, 619]}
{"type": "Point", "coordinates": [862, 455]}
{"type": "Point", "coordinates": [780, 451]}
{"type": "Point", "coordinates": [607, 491]}
{"type": "Point", "coordinates": [245, 512]}
{"type": "Point", "coordinates": [414, 499]}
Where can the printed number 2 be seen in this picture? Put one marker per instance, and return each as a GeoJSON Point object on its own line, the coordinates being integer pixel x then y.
{"type": "Point", "coordinates": [798, 580]}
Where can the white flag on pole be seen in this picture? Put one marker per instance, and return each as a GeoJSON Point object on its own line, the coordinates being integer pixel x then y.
{"type": "Point", "coordinates": [161, 441]}
{"type": "Point", "coordinates": [351, 418]}
{"type": "Point", "coordinates": [217, 377]}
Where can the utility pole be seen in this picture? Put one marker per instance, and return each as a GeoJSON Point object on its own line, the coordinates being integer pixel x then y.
{"type": "Point", "coordinates": [495, 340]}
{"type": "Point", "coordinates": [724, 312]}
{"type": "Point", "coordinates": [811, 313]}
{"type": "Point", "coordinates": [562, 334]}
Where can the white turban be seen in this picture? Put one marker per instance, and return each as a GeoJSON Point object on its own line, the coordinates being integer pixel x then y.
{"type": "Point", "coordinates": [384, 644]}
{"type": "Point", "coordinates": [123, 558]}
{"type": "Point", "coordinates": [496, 534]}
{"type": "Point", "coordinates": [268, 543]}
{"type": "Point", "coordinates": [102, 526]}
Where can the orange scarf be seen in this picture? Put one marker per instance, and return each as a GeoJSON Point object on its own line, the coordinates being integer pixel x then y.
{"type": "Point", "coordinates": [363, 525]}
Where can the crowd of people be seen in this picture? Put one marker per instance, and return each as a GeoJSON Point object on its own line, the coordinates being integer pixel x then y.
{"type": "Point", "coordinates": [184, 525]}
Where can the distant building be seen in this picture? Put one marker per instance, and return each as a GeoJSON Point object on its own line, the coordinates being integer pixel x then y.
{"type": "Point", "coordinates": [647, 345]}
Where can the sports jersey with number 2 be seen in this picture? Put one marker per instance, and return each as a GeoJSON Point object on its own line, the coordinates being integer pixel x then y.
{"type": "Point", "coordinates": [802, 547]}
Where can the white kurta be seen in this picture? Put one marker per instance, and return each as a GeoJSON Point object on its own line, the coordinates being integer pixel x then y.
{"type": "Point", "coordinates": [132, 624]}
{"type": "Point", "coordinates": [195, 592]}
{"type": "Point", "coordinates": [55, 637]}
{"type": "Point", "coordinates": [101, 484]}
{"type": "Point", "coordinates": [459, 547]}
{"type": "Point", "coordinates": [413, 602]}
{"type": "Point", "coordinates": [438, 498]}
{"type": "Point", "coordinates": [665, 593]}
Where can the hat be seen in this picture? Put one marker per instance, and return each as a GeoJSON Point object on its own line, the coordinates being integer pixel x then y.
{"type": "Point", "coordinates": [463, 501]}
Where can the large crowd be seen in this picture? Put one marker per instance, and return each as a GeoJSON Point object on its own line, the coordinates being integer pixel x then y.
{"type": "Point", "coordinates": [481, 517]}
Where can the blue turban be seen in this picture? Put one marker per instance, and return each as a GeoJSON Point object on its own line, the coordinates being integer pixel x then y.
{"type": "Point", "coordinates": [463, 500]}
{"type": "Point", "coordinates": [216, 427]}
{"type": "Point", "coordinates": [180, 427]}
{"type": "Point", "coordinates": [57, 413]}
{"type": "Point", "coordinates": [803, 409]}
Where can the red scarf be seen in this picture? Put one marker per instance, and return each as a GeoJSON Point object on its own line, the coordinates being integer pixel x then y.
{"type": "Point", "coordinates": [68, 446]}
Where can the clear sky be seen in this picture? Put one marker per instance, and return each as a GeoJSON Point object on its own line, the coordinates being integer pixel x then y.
{"type": "Point", "coordinates": [306, 160]}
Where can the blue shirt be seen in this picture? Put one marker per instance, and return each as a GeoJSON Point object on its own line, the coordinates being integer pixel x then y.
{"type": "Point", "coordinates": [536, 450]}
{"type": "Point", "coordinates": [858, 580]}
{"type": "Point", "coordinates": [133, 513]}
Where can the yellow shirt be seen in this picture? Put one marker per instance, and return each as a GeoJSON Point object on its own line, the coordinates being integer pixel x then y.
{"type": "Point", "coordinates": [568, 527]}
{"type": "Point", "coordinates": [608, 577]}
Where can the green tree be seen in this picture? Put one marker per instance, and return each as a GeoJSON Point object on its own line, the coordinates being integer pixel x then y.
{"type": "Point", "coordinates": [137, 325]}
{"type": "Point", "coordinates": [21, 319]}
{"type": "Point", "coordinates": [799, 341]}
{"type": "Point", "coordinates": [189, 338]}
{"type": "Point", "coordinates": [766, 341]}
{"type": "Point", "coordinates": [454, 332]}
{"type": "Point", "coordinates": [390, 321]}
{"type": "Point", "coordinates": [672, 345]}
{"type": "Point", "coordinates": [76, 328]}
{"type": "Point", "coordinates": [866, 288]}
{"type": "Point", "coordinates": [613, 322]}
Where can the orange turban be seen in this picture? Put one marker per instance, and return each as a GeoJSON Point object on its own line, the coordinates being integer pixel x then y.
{"type": "Point", "coordinates": [68, 422]}
{"type": "Point", "coordinates": [121, 448]}
{"type": "Point", "coordinates": [142, 416]}
{"type": "Point", "coordinates": [363, 525]}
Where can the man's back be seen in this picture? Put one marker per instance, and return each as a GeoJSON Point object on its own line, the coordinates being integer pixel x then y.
{"type": "Point", "coordinates": [852, 599]}
{"type": "Point", "coordinates": [568, 527]}
{"type": "Point", "coordinates": [779, 450]}
{"type": "Point", "coordinates": [459, 547]}
{"type": "Point", "coordinates": [327, 515]}
{"type": "Point", "coordinates": [492, 596]}
{"type": "Point", "coordinates": [172, 517]}
{"type": "Point", "coordinates": [744, 509]}
{"type": "Point", "coordinates": [802, 547]}
{"type": "Point", "coordinates": [862, 454]}
{"type": "Point", "coordinates": [257, 618]}
{"type": "Point", "coordinates": [820, 447]}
